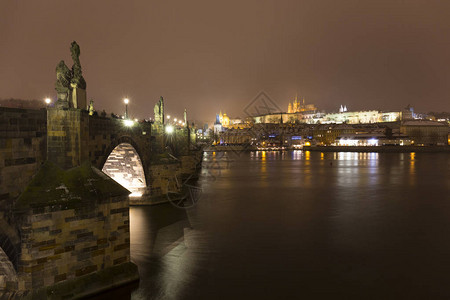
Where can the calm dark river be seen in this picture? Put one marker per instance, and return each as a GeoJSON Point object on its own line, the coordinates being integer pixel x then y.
{"type": "Point", "coordinates": [298, 225]}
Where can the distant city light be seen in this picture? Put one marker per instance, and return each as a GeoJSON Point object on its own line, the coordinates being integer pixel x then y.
{"type": "Point", "coordinates": [373, 142]}
{"type": "Point", "coordinates": [168, 116]}
{"type": "Point", "coordinates": [349, 142]}
{"type": "Point", "coordinates": [175, 119]}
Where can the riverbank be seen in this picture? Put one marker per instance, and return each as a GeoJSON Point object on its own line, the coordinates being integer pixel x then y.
{"type": "Point", "coordinates": [394, 149]}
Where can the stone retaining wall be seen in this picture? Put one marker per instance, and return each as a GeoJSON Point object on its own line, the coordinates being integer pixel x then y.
{"type": "Point", "coordinates": [60, 245]}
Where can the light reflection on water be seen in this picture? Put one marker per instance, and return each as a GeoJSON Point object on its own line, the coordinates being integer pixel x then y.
{"type": "Point", "coordinates": [280, 225]}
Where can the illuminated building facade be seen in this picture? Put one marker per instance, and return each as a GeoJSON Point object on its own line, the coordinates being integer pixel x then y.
{"type": "Point", "coordinates": [218, 125]}
{"type": "Point", "coordinates": [327, 134]}
{"type": "Point", "coordinates": [373, 139]}
{"type": "Point", "coordinates": [426, 133]}
{"type": "Point", "coordinates": [353, 117]}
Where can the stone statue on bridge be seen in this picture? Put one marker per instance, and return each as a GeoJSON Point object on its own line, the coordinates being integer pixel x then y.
{"type": "Point", "coordinates": [77, 78]}
{"type": "Point", "coordinates": [62, 85]}
{"type": "Point", "coordinates": [70, 84]}
{"type": "Point", "coordinates": [159, 111]}
{"type": "Point", "coordinates": [78, 84]}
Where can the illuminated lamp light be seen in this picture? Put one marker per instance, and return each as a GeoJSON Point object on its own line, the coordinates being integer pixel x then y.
{"type": "Point", "coordinates": [169, 129]}
{"type": "Point", "coordinates": [128, 123]}
{"type": "Point", "coordinates": [307, 144]}
{"type": "Point", "coordinates": [48, 101]}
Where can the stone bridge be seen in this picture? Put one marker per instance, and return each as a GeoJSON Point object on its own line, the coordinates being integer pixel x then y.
{"type": "Point", "coordinates": [135, 156]}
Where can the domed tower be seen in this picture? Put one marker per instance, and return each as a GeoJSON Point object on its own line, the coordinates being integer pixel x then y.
{"type": "Point", "coordinates": [225, 120]}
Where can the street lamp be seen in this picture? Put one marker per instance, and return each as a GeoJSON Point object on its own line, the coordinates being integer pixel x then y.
{"type": "Point", "coordinates": [175, 120]}
{"type": "Point", "coordinates": [126, 101]}
{"type": "Point", "coordinates": [169, 129]}
{"type": "Point", "coordinates": [128, 123]}
{"type": "Point", "coordinates": [48, 101]}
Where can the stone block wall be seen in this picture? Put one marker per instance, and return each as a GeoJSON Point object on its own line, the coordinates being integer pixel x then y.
{"type": "Point", "coordinates": [190, 163]}
{"type": "Point", "coordinates": [64, 244]}
{"type": "Point", "coordinates": [164, 179]}
{"type": "Point", "coordinates": [67, 137]}
{"type": "Point", "coordinates": [22, 151]}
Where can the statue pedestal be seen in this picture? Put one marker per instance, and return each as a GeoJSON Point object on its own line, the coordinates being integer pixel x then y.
{"type": "Point", "coordinates": [67, 137]}
{"type": "Point", "coordinates": [78, 97]}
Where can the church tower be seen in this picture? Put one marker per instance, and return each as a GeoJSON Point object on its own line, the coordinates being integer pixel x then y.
{"type": "Point", "coordinates": [296, 107]}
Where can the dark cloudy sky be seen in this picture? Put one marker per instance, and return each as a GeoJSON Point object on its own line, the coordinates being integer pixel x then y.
{"type": "Point", "coordinates": [208, 55]}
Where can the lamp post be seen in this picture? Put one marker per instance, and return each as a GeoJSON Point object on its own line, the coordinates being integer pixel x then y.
{"type": "Point", "coordinates": [126, 101]}
{"type": "Point", "coordinates": [48, 101]}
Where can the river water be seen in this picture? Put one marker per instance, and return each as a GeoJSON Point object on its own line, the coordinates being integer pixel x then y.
{"type": "Point", "coordinates": [300, 225]}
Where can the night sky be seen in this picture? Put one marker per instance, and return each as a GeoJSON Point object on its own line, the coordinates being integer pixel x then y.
{"type": "Point", "coordinates": [209, 55]}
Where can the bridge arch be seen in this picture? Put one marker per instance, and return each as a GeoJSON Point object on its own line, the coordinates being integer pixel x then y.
{"type": "Point", "coordinates": [9, 249]}
{"type": "Point", "coordinates": [124, 163]}
{"type": "Point", "coordinates": [8, 274]}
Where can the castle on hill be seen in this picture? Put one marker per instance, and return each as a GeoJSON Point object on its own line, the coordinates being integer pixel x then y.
{"type": "Point", "coordinates": [298, 106]}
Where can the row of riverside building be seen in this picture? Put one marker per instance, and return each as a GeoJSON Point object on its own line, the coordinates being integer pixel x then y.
{"type": "Point", "coordinates": [303, 125]}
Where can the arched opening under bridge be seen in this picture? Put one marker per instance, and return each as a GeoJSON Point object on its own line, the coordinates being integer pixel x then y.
{"type": "Point", "coordinates": [125, 166]}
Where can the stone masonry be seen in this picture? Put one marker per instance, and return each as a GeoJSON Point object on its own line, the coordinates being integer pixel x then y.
{"type": "Point", "coordinates": [73, 224]}
{"type": "Point", "coordinates": [66, 244]}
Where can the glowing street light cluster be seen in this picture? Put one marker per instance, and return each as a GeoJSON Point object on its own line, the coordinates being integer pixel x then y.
{"type": "Point", "coordinates": [171, 125]}
{"type": "Point", "coordinates": [176, 121]}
